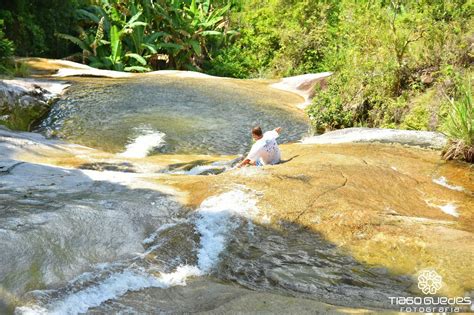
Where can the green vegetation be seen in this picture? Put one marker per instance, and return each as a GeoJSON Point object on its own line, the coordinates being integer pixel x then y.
{"type": "Point", "coordinates": [145, 35]}
{"type": "Point", "coordinates": [32, 24]}
{"type": "Point", "coordinates": [389, 60]}
{"type": "Point", "coordinates": [459, 125]}
{"type": "Point", "coordinates": [393, 60]}
{"type": "Point", "coordinates": [278, 38]}
{"type": "Point", "coordinates": [6, 51]}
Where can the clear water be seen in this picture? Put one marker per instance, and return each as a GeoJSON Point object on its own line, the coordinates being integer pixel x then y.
{"type": "Point", "coordinates": [290, 262]}
{"type": "Point", "coordinates": [53, 229]}
{"type": "Point", "coordinates": [293, 263]}
{"type": "Point", "coordinates": [208, 116]}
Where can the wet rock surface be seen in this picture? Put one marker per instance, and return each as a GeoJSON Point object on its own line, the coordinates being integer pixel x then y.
{"type": "Point", "coordinates": [23, 102]}
{"type": "Point", "coordinates": [208, 296]}
{"type": "Point", "coordinates": [424, 139]}
{"type": "Point", "coordinates": [303, 85]}
{"type": "Point", "coordinates": [382, 204]}
{"type": "Point", "coordinates": [105, 166]}
{"type": "Point", "coordinates": [371, 207]}
{"type": "Point", "coordinates": [56, 222]}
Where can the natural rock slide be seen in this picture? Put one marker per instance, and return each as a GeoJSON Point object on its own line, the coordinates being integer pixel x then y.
{"type": "Point", "coordinates": [349, 218]}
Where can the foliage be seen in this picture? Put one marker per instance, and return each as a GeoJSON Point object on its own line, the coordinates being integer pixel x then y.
{"type": "Point", "coordinates": [8, 66]}
{"type": "Point", "coordinates": [133, 37]}
{"type": "Point", "coordinates": [31, 25]}
{"type": "Point", "coordinates": [20, 69]}
{"type": "Point", "coordinates": [329, 111]}
{"type": "Point", "coordinates": [6, 51]}
{"type": "Point", "coordinates": [387, 55]}
{"type": "Point", "coordinates": [277, 38]}
{"type": "Point", "coordinates": [421, 114]}
{"type": "Point", "coordinates": [391, 59]}
{"type": "Point", "coordinates": [459, 125]}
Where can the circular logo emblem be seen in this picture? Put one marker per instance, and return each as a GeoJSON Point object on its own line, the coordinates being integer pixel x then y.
{"type": "Point", "coordinates": [429, 281]}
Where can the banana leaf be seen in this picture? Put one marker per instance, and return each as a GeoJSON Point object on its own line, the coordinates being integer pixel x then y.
{"type": "Point", "coordinates": [196, 47]}
{"type": "Point", "coordinates": [116, 44]}
{"type": "Point", "coordinates": [206, 33]}
{"type": "Point", "coordinates": [83, 14]}
{"type": "Point", "coordinates": [150, 48]}
{"type": "Point", "coordinates": [137, 57]}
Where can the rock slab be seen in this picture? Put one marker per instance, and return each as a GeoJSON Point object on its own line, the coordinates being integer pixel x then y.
{"type": "Point", "coordinates": [24, 102]}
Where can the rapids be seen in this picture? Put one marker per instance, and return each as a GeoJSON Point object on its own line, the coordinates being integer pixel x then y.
{"type": "Point", "coordinates": [114, 216]}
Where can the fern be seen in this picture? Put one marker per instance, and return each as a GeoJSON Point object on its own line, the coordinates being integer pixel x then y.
{"type": "Point", "coordinates": [74, 40]}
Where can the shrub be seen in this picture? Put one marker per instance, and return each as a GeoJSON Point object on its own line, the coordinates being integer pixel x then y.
{"type": "Point", "coordinates": [422, 111]}
{"type": "Point", "coordinates": [21, 69]}
{"type": "Point", "coordinates": [386, 57]}
{"type": "Point", "coordinates": [6, 51]}
{"type": "Point", "coordinates": [459, 125]}
{"type": "Point", "coordinates": [277, 38]}
{"type": "Point", "coordinates": [31, 25]}
{"type": "Point", "coordinates": [136, 37]}
{"type": "Point", "coordinates": [329, 109]}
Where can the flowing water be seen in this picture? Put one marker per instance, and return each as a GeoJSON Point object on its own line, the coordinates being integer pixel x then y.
{"type": "Point", "coordinates": [219, 243]}
{"type": "Point", "coordinates": [99, 246]}
{"type": "Point", "coordinates": [165, 114]}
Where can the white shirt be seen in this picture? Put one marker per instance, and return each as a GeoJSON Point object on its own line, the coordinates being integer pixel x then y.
{"type": "Point", "coordinates": [265, 150]}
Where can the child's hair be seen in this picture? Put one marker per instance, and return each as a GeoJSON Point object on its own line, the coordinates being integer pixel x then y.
{"type": "Point", "coordinates": [257, 131]}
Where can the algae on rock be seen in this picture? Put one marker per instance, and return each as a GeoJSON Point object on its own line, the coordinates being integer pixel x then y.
{"type": "Point", "coordinates": [24, 102]}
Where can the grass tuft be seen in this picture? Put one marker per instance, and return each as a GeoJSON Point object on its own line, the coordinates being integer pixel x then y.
{"type": "Point", "coordinates": [460, 125]}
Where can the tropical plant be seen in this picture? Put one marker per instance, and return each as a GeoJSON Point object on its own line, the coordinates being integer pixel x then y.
{"type": "Point", "coordinates": [277, 38]}
{"type": "Point", "coordinates": [189, 29]}
{"type": "Point", "coordinates": [114, 36]}
{"type": "Point", "coordinates": [385, 56]}
{"type": "Point", "coordinates": [102, 44]}
{"type": "Point", "coordinates": [460, 125]}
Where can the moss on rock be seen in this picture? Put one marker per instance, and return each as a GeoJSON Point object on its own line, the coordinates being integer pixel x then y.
{"type": "Point", "coordinates": [24, 102]}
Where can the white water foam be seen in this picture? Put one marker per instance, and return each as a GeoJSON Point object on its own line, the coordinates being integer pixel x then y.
{"type": "Point", "coordinates": [444, 182]}
{"type": "Point", "coordinates": [215, 223]}
{"type": "Point", "coordinates": [116, 285]}
{"type": "Point", "coordinates": [199, 169]}
{"type": "Point", "coordinates": [449, 208]}
{"type": "Point", "coordinates": [218, 166]}
{"type": "Point", "coordinates": [216, 218]}
{"type": "Point", "coordinates": [143, 144]}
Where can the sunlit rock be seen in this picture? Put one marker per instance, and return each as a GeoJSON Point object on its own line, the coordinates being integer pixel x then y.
{"type": "Point", "coordinates": [429, 139]}
{"type": "Point", "coordinates": [376, 201]}
{"type": "Point", "coordinates": [23, 102]}
{"type": "Point", "coordinates": [303, 85]}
